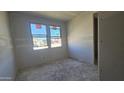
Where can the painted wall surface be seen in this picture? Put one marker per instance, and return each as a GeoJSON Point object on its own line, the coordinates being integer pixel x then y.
{"type": "Point", "coordinates": [111, 45]}
{"type": "Point", "coordinates": [7, 64]}
{"type": "Point", "coordinates": [80, 38]}
{"type": "Point", "coordinates": [25, 55]}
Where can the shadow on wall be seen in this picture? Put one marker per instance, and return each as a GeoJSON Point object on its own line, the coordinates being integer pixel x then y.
{"type": "Point", "coordinates": [7, 64]}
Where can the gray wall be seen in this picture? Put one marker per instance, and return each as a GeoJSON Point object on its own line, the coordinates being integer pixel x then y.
{"type": "Point", "coordinates": [111, 45]}
{"type": "Point", "coordinates": [80, 37]}
{"type": "Point", "coordinates": [25, 55]}
{"type": "Point", "coordinates": [7, 64]}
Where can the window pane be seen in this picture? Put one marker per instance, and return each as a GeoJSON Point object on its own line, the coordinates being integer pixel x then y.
{"type": "Point", "coordinates": [38, 32]}
{"type": "Point", "coordinates": [38, 29]}
{"type": "Point", "coordinates": [55, 42]}
{"type": "Point", "coordinates": [55, 36]}
{"type": "Point", "coordinates": [54, 31]}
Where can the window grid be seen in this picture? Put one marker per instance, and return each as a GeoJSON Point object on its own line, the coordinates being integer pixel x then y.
{"type": "Point", "coordinates": [44, 36]}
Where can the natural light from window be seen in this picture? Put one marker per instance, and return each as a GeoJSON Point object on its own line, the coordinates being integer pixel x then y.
{"type": "Point", "coordinates": [39, 35]}
{"type": "Point", "coordinates": [55, 36]}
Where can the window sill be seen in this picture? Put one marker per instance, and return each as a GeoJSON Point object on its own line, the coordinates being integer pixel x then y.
{"type": "Point", "coordinates": [39, 48]}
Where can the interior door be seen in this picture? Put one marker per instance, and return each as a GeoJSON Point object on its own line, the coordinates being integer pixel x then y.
{"type": "Point", "coordinates": [111, 46]}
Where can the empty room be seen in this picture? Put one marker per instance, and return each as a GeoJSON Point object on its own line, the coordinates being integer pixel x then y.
{"type": "Point", "coordinates": [61, 46]}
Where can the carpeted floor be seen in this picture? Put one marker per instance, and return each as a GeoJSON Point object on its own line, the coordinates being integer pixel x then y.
{"type": "Point", "coordinates": [64, 70]}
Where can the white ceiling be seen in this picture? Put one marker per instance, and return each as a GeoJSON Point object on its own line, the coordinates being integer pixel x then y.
{"type": "Point", "coordinates": [61, 15]}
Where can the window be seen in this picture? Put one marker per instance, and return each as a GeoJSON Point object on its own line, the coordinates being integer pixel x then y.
{"type": "Point", "coordinates": [39, 35]}
{"type": "Point", "coordinates": [55, 36]}
{"type": "Point", "coordinates": [41, 39]}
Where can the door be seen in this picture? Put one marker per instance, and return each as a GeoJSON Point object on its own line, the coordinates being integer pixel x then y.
{"type": "Point", "coordinates": [111, 46]}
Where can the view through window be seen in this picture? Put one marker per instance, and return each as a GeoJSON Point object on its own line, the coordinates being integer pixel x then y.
{"type": "Point", "coordinates": [40, 39]}
{"type": "Point", "coordinates": [55, 36]}
{"type": "Point", "coordinates": [39, 34]}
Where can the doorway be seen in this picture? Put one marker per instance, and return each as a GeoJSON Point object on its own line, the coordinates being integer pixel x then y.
{"type": "Point", "coordinates": [95, 32]}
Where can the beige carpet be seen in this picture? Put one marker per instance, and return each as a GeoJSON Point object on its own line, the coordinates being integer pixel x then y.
{"type": "Point", "coordinates": [63, 70]}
